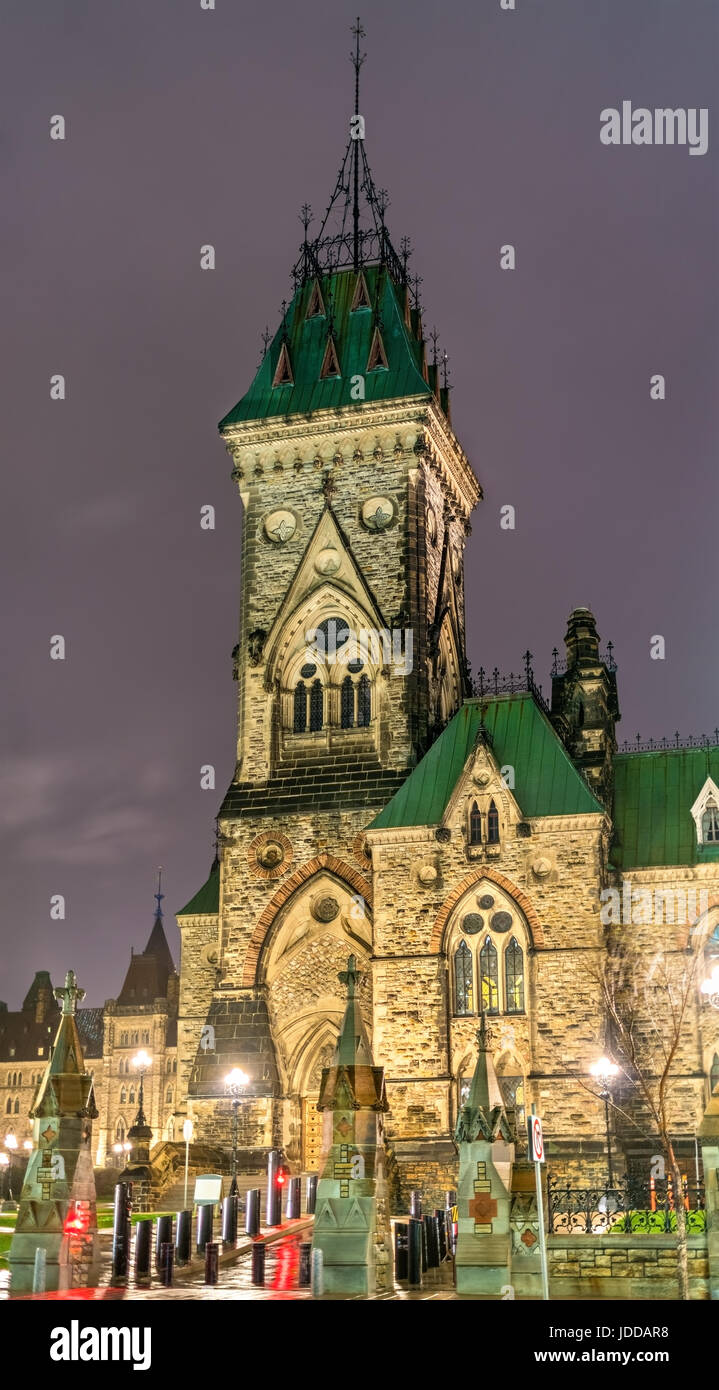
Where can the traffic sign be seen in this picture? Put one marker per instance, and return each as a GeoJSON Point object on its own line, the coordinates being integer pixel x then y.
{"type": "Point", "coordinates": [536, 1139]}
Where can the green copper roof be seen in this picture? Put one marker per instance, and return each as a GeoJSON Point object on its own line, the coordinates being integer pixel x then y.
{"type": "Point", "coordinates": [653, 796]}
{"type": "Point", "coordinates": [546, 781]}
{"type": "Point", "coordinates": [353, 334]}
{"type": "Point", "coordinates": [207, 899]}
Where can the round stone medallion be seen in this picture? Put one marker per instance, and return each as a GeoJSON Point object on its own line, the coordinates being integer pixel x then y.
{"type": "Point", "coordinates": [482, 776]}
{"type": "Point", "coordinates": [377, 513]}
{"type": "Point", "coordinates": [268, 855]}
{"type": "Point", "coordinates": [541, 867]}
{"type": "Point", "coordinates": [472, 923]}
{"type": "Point", "coordinates": [427, 874]}
{"type": "Point", "coordinates": [271, 854]}
{"type": "Point", "coordinates": [325, 908]}
{"type": "Point", "coordinates": [501, 921]}
{"type": "Point", "coordinates": [486, 901]}
{"type": "Point", "coordinates": [328, 561]}
{"type": "Point", "coordinates": [280, 526]}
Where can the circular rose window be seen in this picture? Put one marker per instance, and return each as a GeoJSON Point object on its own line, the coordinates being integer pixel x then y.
{"type": "Point", "coordinates": [472, 923]}
{"type": "Point", "coordinates": [486, 901]}
{"type": "Point", "coordinates": [501, 921]}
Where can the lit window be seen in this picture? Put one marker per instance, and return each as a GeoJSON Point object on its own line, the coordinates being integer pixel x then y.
{"type": "Point", "coordinates": [463, 983]}
{"type": "Point", "coordinates": [489, 976]}
{"type": "Point", "coordinates": [514, 977]}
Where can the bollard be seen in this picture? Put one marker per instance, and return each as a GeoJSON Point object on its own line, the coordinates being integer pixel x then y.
{"type": "Point", "coordinates": [424, 1247]}
{"type": "Point", "coordinates": [273, 1208]}
{"type": "Point", "coordinates": [401, 1233]}
{"type": "Point", "coordinates": [305, 1277]}
{"type": "Point", "coordinates": [441, 1219]}
{"type": "Point", "coordinates": [204, 1226]}
{"type": "Point", "coordinates": [414, 1253]}
{"type": "Point", "coordinates": [430, 1226]}
{"type": "Point", "coordinates": [450, 1198]}
{"type": "Point", "coordinates": [229, 1219]}
{"type": "Point", "coordinates": [39, 1270]}
{"type": "Point", "coordinates": [294, 1199]}
{"type": "Point", "coordinates": [120, 1230]}
{"type": "Point", "coordinates": [143, 1248]}
{"type": "Point", "coordinates": [183, 1237]}
{"type": "Point", "coordinates": [163, 1235]}
{"type": "Point", "coordinates": [415, 1203]}
{"type": "Point", "coordinates": [252, 1212]}
{"type": "Point", "coordinates": [259, 1251]}
{"type": "Point", "coordinates": [167, 1262]}
{"type": "Point", "coordinates": [311, 1194]}
{"type": "Point", "coordinates": [318, 1274]}
{"type": "Point", "coordinates": [212, 1255]}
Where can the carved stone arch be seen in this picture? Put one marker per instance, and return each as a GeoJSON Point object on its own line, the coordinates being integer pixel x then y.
{"type": "Point", "coordinates": [355, 882]}
{"type": "Point", "coordinates": [449, 670]}
{"type": "Point", "coordinates": [326, 601]}
{"type": "Point", "coordinates": [313, 1052]}
{"type": "Point", "coordinates": [536, 931]}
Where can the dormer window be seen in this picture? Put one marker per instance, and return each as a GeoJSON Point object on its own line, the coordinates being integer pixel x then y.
{"type": "Point", "coordinates": [705, 814]}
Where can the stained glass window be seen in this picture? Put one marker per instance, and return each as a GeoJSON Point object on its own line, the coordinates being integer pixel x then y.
{"type": "Point", "coordinates": [463, 983]}
{"type": "Point", "coordinates": [316, 706]}
{"type": "Point", "coordinates": [300, 719]}
{"type": "Point", "coordinates": [347, 711]}
{"type": "Point", "coordinates": [364, 702]}
{"type": "Point", "coordinates": [489, 976]}
{"type": "Point", "coordinates": [514, 977]}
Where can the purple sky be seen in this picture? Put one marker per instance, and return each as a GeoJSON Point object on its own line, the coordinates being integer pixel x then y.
{"type": "Point", "coordinates": [187, 126]}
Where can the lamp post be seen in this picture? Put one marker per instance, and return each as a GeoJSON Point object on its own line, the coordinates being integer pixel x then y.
{"type": "Point", "coordinates": [142, 1063]}
{"type": "Point", "coordinates": [236, 1084]}
{"type": "Point", "coordinates": [604, 1072]}
{"type": "Point", "coordinates": [121, 1149]}
{"type": "Point", "coordinates": [187, 1133]}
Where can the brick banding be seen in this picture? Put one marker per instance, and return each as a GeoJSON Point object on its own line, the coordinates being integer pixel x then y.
{"type": "Point", "coordinates": [351, 877]}
{"type": "Point", "coordinates": [521, 899]}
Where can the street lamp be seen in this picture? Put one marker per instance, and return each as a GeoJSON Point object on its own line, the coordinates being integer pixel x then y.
{"type": "Point", "coordinates": [236, 1084]}
{"type": "Point", "coordinates": [604, 1072]}
{"type": "Point", "coordinates": [142, 1063]}
{"type": "Point", "coordinates": [27, 1145]}
{"type": "Point", "coordinates": [187, 1133]}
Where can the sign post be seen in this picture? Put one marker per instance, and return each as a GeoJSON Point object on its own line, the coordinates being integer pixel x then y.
{"type": "Point", "coordinates": [536, 1153]}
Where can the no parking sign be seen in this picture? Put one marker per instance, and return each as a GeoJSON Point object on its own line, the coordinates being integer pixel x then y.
{"type": "Point", "coordinates": [536, 1139]}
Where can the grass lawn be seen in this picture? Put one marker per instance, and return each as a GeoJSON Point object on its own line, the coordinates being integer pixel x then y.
{"type": "Point", "coordinates": [105, 1217]}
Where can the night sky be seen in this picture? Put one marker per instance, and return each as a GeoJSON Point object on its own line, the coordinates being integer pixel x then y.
{"type": "Point", "coordinates": [187, 127]}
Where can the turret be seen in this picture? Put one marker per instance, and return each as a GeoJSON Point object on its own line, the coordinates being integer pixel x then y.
{"type": "Point", "coordinates": [585, 708]}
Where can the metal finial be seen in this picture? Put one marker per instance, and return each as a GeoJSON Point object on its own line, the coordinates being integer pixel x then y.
{"type": "Point", "coordinates": [445, 369]}
{"type": "Point", "coordinates": [434, 338]}
{"type": "Point", "coordinates": [357, 58]}
{"type": "Point", "coordinates": [305, 217]}
{"type": "Point", "coordinates": [159, 895]}
{"type": "Point", "coordinates": [405, 247]}
{"type": "Point", "coordinates": [350, 977]}
{"type": "Point", "coordinates": [71, 995]}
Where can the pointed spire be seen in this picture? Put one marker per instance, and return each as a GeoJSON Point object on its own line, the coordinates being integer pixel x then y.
{"type": "Point", "coordinates": [483, 1115]}
{"type": "Point", "coordinates": [159, 895]}
{"type": "Point", "coordinates": [353, 1046]}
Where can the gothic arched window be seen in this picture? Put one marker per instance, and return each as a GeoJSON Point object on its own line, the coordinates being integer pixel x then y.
{"type": "Point", "coordinates": [714, 1074]}
{"type": "Point", "coordinates": [8, 1106]}
{"type": "Point", "coordinates": [463, 983]}
{"type": "Point", "coordinates": [364, 702]}
{"type": "Point", "coordinates": [514, 977]}
{"type": "Point", "coordinates": [17, 1105]}
{"type": "Point", "coordinates": [710, 824]}
{"type": "Point", "coordinates": [347, 703]}
{"type": "Point", "coordinates": [132, 1095]}
{"type": "Point", "coordinates": [316, 706]}
{"type": "Point", "coordinates": [489, 976]}
{"type": "Point", "coordinates": [300, 713]}
{"type": "Point", "coordinates": [123, 1096]}
{"type": "Point", "coordinates": [475, 825]}
{"type": "Point", "coordinates": [168, 1096]}
{"type": "Point", "coordinates": [493, 824]}
{"type": "Point", "coordinates": [120, 1131]}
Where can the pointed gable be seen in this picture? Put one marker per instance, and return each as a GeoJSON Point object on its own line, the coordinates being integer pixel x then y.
{"type": "Point", "coordinates": [283, 371]}
{"type": "Point", "coordinates": [377, 355]}
{"type": "Point", "coordinates": [315, 306]}
{"type": "Point", "coordinates": [149, 972]}
{"type": "Point", "coordinates": [330, 361]}
{"type": "Point", "coordinates": [360, 298]}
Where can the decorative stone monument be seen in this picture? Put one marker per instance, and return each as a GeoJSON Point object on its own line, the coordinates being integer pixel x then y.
{"type": "Point", "coordinates": [352, 1216]}
{"type": "Point", "coordinates": [483, 1258]}
{"type": "Point", "coordinates": [57, 1204]}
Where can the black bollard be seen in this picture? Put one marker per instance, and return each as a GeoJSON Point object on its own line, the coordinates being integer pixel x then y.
{"type": "Point", "coordinates": [204, 1226]}
{"type": "Point", "coordinates": [121, 1230]}
{"type": "Point", "coordinates": [414, 1254]}
{"type": "Point", "coordinates": [294, 1199]}
{"type": "Point", "coordinates": [424, 1246]}
{"type": "Point", "coordinates": [163, 1235]}
{"type": "Point", "coordinates": [252, 1212]}
{"type": "Point", "coordinates": [183, 1237]}
{"type": "Point", "coordinates": [167, 1263]}
{"type": "Point", "coordinates": [143, 1251]}
{"type": "Point", "coordinates": [441, 1219]}
{"type": "Point", "coordinates": [258, 1262]}
{"type": "Point", "coordinates": [212, 1257]}
{"type": "Point", "coordinates": [311, 1194]}
{"type": "Point", "coordinates": [401, 1233]}
{"type": "Point", "coordinates": [430, 1226]}
{"type": "Point", "coordinates": [415, 1203]}
{"type": "Point", "coordinates": [275, 1184]}
{"type": "Point", "coordinates": [305, 1278]}
{"type": "Point", "coordinates": [229, 1219]}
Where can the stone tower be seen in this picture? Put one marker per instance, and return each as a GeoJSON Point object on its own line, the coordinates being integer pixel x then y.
{"type": "Point", "coordinates": [585, 708]}
{"type": "Point", "coordinates": [351, 657]}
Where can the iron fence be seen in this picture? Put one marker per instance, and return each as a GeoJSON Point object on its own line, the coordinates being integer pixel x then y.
{"type": "Point", "coordinates": [631, 1207]}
